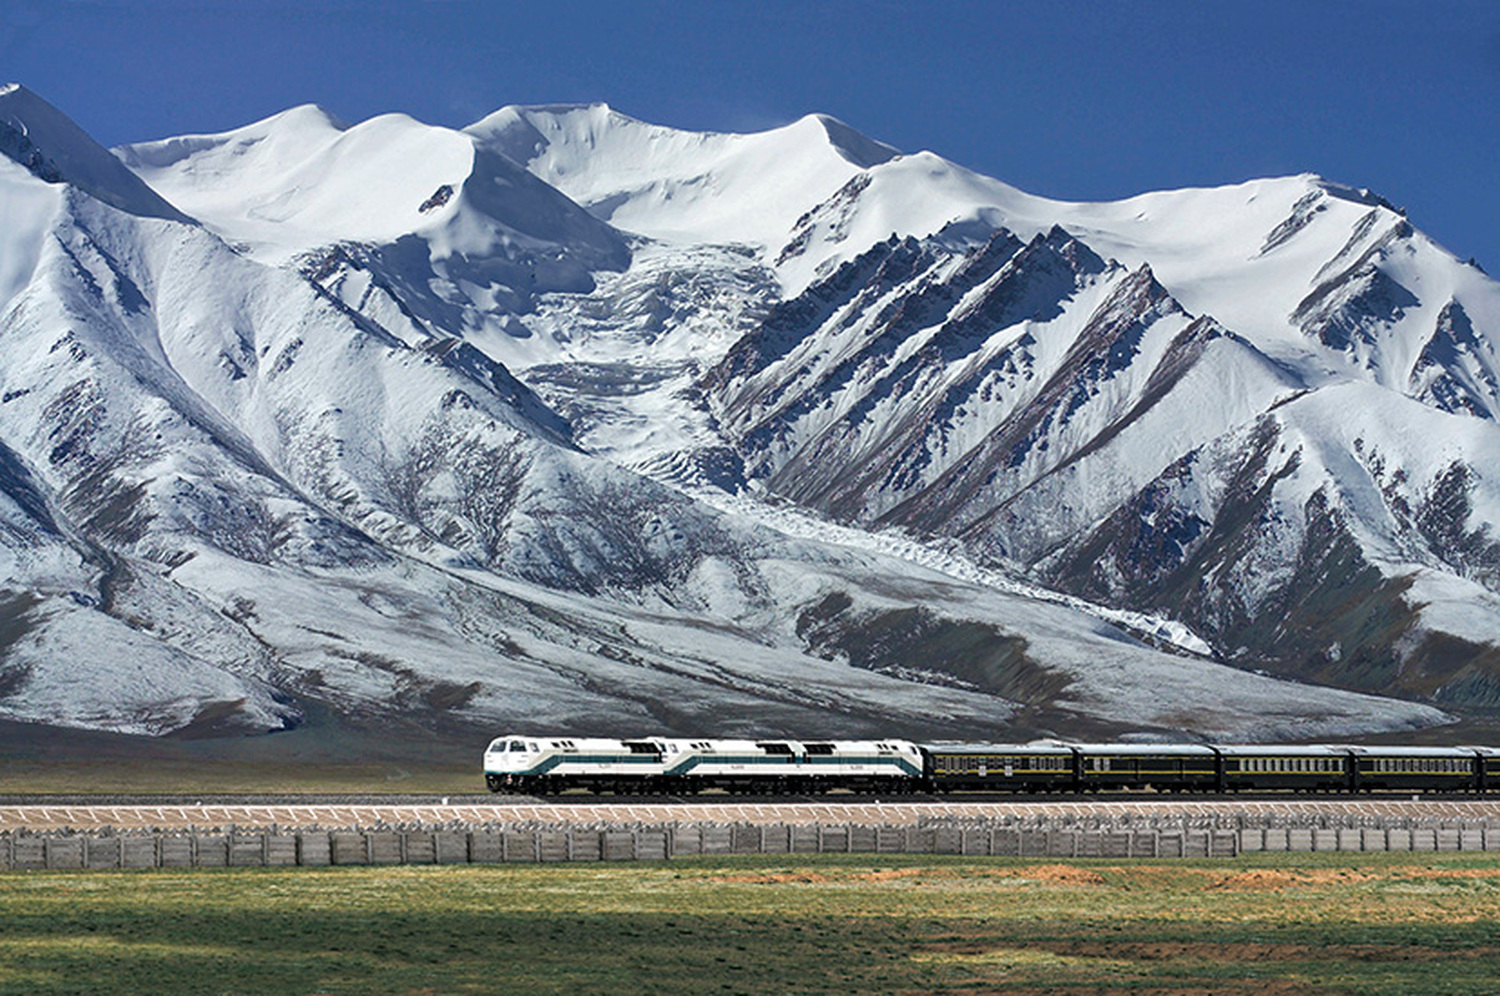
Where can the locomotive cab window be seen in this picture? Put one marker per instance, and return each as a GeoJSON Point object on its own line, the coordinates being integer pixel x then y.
{"type": "Point", "coordinates": [517, 746]}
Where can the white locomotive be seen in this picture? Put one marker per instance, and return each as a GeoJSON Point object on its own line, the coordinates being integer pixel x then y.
{"type": "Point", "coordinates": [542, 765]}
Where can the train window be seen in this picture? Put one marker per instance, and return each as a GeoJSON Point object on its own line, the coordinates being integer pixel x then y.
{"type": "Point", "coordinates": [516, 745]}
{"type": "Point", "coordinates": [820, 749]}
{"type": "Point", "coordinates": [776, 748]}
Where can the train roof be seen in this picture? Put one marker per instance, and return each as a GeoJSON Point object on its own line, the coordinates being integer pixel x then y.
{"type": "Point", "coordinates": [1036, 747]}
{"type": "Point", "coordinates": [1146, 750]}
{"type": "Point", "coordinates": [1387, 751]}
{"type": "Point", "coordinates": [1281, 750]}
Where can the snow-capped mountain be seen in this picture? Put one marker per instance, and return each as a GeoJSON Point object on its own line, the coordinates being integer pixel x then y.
{"type": "Point", "coordinates": [568, 420]}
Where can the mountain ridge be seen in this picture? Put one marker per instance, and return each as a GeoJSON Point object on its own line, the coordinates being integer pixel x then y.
{"type": "Point", "coordinates": [553, 447]}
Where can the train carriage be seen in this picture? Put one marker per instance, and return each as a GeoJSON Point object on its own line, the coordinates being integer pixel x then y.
{"type": "Point", "coordinates": [1305, 768]}
{"type": "Point", "coordinates": [1163, 767]}
{"type": "Point", "coordinates": [1041, 767]}
{"type": "Point", "coordinates": [1419, 769]}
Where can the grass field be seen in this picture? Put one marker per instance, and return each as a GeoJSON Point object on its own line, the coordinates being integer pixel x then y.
{"type": "Point", "coordinates": [1262, 924]}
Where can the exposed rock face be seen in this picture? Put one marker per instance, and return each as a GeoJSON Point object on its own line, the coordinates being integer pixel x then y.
{"type": "Point", "coordinates": [1049, 409]}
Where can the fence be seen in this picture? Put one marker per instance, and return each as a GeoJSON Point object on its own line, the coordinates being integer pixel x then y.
{"type": "Point", "coordinates": [510, 844]}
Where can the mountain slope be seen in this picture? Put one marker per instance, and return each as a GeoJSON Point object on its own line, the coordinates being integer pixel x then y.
{"type": "Point", "coordinates": [1269, 477]}
{"type": "Point", "coordinates": [317, 436]}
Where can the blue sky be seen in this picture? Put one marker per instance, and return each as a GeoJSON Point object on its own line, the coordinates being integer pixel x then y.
{"type": "Point", "coordinates": [1082, 100]}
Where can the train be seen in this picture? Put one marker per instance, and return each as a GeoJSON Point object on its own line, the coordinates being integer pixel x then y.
{"type": "Point", "coordinates": [548, 765]}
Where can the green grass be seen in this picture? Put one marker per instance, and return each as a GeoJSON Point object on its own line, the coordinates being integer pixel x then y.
{"type": "Point", "coordinates": [1262, 925]}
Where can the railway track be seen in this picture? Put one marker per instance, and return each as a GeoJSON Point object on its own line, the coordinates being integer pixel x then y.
{"type": "Point", "coordinates": [92, 814]}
